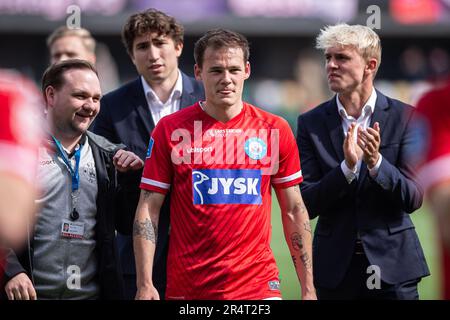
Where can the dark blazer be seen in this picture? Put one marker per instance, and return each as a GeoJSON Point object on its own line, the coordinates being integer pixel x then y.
{"type": "Point", "coordinates": [125, 118]}
{"type": "Point", "coordinates": [376, 208]}
{"type": "Point", "coordinates": [109, 273]}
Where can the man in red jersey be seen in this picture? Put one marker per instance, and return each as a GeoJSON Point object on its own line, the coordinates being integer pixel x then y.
{"type": "Point", "coordinates": [220, 157]}
{"type": "Point", "coordinates": [434, 172]}
{"type": "Point", "coordinates": [19, 140]}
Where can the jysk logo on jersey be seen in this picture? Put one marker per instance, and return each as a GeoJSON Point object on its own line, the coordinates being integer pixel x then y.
{"type": "Point", "coordinates": [150, 148]}
{"type": "Point", "coordinates": [230, 186]}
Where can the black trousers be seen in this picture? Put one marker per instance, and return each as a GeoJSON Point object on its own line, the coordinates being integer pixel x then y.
{"type": "Point", "coordinates": [355, 284]}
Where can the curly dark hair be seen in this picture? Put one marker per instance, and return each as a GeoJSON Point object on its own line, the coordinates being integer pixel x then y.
{"type": "Point", "coordinates": [151, 20]}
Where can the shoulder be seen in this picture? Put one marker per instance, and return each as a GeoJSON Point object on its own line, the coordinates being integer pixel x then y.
{"type": "Point", "coordinates": [434, 99]}
{"type": "Point", "coordinates": [395, 106]}
{"type": "Point", "coordinates": [123, 91]}
{"type": "Point", "coordinates": [269, 118]}
{"type": "Point", "coordinates": [318, 111]}
{"type": "Point", "coordinates": [395, 102]}
{"type": "Point", "coordinates": [177, 119]}
{"type": "Point", "coordinates": [190, 84]}
{"type": "Point", "coordinates": [102, 143]}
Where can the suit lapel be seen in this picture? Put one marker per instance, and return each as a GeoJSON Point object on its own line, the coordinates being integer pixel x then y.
{"type": "Point", "coordinates": [187, 97]}
{"type": "Point", "coordinates": [380, 115]}
{"type": "Point", "coordinates": [333, 121]}
{"type": "Point", "coordinates": [142, 107]}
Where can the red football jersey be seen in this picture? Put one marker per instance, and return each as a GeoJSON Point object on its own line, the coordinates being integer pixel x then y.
{"type": "Point", "coordinates": [434, 121]}
{"type": "Point", "coordinates": [434, 116]}
{"type": "Point", "coordinates": [19, 128]}
{"type": "Point", "coordinates": [220, 176]}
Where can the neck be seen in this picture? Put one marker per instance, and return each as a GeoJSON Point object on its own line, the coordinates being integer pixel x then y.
{"type": "Point", "coordinates": [223, 113]}
{"type": "Point", "coordinates": [164, 88]}
{"type": "Point", "coordinates": [69, 142]}
{"type": "Point", "coordinates": [354, 101]}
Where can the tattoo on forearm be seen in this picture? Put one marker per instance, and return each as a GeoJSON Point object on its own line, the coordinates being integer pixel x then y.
{"type": "Point", "coordinates": [306, 260]}
{"type": "Point", "coordinates": [307, 226]}
{"type": "Point", "coordinates": [297, 241]}
{"type": "Point", "coordinates": [298, 245]}
{"type": "Point", "coordinates": [146, 194]}
{"type": "Point", "coordinates": [146, 229]}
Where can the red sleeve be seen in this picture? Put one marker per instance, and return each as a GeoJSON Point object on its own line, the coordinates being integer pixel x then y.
{"type": "Point", "coordinates": [158, 169]}
{"type": "Point", "coordinates": [433, 119]}
{"type": "Point", "coordinates": [289, 172]}
{"type": "Point", "coordinates": [20, 125]}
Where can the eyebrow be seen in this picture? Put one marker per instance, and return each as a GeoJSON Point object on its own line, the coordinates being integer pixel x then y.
{"type": "Point", "coordinates": [337, 54]}
{"type": "Point", "coordinates": [222, 68]}
{"type": "Point", "coordinates": [142, 42]}
{"type": "Point", "coordinates": [160, 38]}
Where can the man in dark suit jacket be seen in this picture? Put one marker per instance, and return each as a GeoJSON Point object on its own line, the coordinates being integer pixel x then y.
{"type": "Point", "coordinates": [354, 153]}
{"type": "Point", "coordinates": [128, 115]}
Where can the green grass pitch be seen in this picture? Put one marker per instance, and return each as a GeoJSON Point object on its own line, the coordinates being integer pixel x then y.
{"type": "Point", "coordinates": [429, 287]}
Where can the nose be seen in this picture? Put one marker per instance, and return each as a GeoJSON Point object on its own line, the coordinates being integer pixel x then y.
{"type": "Point", "coordinates": [226, 77]}
{"type": "Point", "coordinates": [90, 104]}
{"type": "Point", "coordinates": [331, 63]}
{"type": "Point", "coordinates": [153, 53]}
{"type": "Point", "coordinates": [62, 57]}
{"type": "Point", "coordinates": [59, 58]}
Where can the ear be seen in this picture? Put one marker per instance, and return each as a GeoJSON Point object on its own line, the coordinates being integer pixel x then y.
{"type": "Point", "coordinates": [197, 72]}
{"type": "Point", "coordinates": [179, 49]}
{"type": "Point", "coordinates": [131, 55]}
{"type": "Point", "coordinates": [49, 95]}
{"type": "Point", "coordinates": [247, 70]}
{"type": "Point", "coordinates": [371, 65]}
{"type": "Point", "coordinates": [132, 59]}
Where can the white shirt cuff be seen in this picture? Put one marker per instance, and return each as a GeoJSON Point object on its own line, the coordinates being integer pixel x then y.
{"type": "Point", "coordinates": [374, 171]}
{"type": "Point", "coordinates": [349, 174]}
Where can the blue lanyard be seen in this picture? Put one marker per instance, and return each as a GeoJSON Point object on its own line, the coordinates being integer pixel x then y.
{"type": "Point", "coordinates": [73, 172]}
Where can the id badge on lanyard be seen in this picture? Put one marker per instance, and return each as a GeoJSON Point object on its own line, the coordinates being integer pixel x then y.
{"type": "Point", "coordinates": [76, 229]}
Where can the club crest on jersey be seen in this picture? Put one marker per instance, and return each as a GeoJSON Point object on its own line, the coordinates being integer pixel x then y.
{"type": "Point", "coordinates": [226, 186]}
{"type": "Point", "coordinates": [274, 285]}
{"type": "Point", "coordinates": [150, 148]}
{"type": "Point", "coordinates": [255, 148]}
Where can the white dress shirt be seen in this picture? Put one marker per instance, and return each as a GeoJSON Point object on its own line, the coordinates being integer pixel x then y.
{"type": "Point", "coordinates": [158, 109]}
{"type": "Point", "coordinates": [363, 121]}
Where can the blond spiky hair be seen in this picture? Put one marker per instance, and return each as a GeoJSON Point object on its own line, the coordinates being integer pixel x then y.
{"type": "Point", "coordinates": [361, 37]}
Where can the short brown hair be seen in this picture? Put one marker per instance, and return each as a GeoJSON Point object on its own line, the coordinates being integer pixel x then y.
{"type": "Point", "coordinates": [151, 20]}
{"type": "Point", "coordinates": [63, 31]}
{"type": "Point", "coordinates": [219, 38]}
{"type": "Point", "coordinates": [54, 75]}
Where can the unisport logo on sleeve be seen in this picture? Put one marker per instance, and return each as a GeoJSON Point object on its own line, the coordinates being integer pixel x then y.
{"type": "Point", "coordinates": [150, 148]}
{"type": "Point", "coordinates": [230, 186]}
